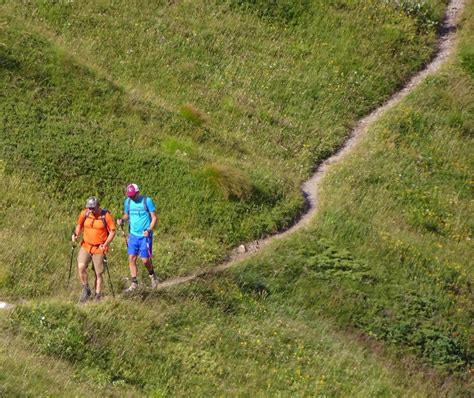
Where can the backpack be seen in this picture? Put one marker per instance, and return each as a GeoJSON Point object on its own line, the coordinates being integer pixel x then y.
{"type": "Point", "coordinates": [102, 217]}
{"type": "Point", "coordinates": [145, 206]}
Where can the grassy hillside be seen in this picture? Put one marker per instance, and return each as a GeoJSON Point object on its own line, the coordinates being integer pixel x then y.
{"type": "Point", "coordinates": [403, 205]}
{"type": "Point", "coordinates": [221, 337]}
{"type": "Point", "coordinates": [375, 261]}
{"type": "Point", "coordinates": [24, 373]}
{"type": "Point", "coordinates": [219, 117]}
{"type": "Point", "coordinates": [391, 250]}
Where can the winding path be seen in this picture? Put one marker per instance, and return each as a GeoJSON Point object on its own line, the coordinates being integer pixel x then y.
{"type": "Point", "coordinates": [310, 189]}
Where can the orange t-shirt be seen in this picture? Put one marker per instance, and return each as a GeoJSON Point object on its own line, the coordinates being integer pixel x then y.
{"type": "Point", "coordinates": [95, 233]}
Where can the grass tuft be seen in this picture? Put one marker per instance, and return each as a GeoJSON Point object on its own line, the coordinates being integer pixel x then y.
{"type": "Point", "coordinates": [229, 181]}
{"type": "Point", "coordinates": [193, 114]}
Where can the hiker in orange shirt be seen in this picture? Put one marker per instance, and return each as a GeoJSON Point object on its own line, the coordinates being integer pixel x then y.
{"type": "Point", "coordinates": [98, 229]}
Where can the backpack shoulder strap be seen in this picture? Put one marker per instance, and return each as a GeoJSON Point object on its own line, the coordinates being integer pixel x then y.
{"type": "Point", "coordinates": [86, 215]}
{"type": "Point", "coordinates": [145, 205]}
{"type": "Point", "coordinates": [127, 206]}
{"type": "Point", "coordinates": [102, 216]}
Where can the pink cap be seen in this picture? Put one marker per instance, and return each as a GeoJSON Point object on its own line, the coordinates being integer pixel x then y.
{"type": "Point", "coordinates": [132, 190]}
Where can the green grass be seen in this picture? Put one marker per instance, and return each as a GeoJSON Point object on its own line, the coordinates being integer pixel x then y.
{"type": "Point", "coordinates": [219, 122]}
{"type": "Point", "coordinates": [90, 105]}
{"type": "Point", "coordinates": [211, 339]}
{"type": "Point", "coordinates": [27, 373]}
{"type": "Point", "coordinates": [390, 252]}
{"type": "Point", "coordinates": [405, 208]}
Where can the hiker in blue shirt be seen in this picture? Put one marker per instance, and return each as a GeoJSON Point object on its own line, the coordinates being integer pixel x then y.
{"type": "Point", "coordinates": [140, 212]}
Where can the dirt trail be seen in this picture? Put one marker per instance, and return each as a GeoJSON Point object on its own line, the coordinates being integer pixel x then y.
{"type": "Point", "coordinates": [310, 189]}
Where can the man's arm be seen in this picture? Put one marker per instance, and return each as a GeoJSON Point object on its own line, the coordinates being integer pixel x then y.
{"type": "Point", "coordinates": [154, 219]}
{"type": "Point", "coordinates": [110, 237]}
{"type": "Point", "coordinates": [77, 232]}
{"type": "Point", "coordinates": [124, 218]}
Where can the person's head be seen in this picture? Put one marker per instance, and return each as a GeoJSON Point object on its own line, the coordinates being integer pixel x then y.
{"type": "Point", "coordinates": [133, 191]}
{"type": "Point", "coordinates": [92, 203]}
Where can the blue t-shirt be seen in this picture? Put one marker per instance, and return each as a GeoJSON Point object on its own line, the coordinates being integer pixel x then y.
{"type": "Point", "coordinates": [139, 218]}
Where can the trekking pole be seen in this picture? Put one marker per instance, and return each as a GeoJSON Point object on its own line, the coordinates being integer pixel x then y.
{"type": "Point", "coordinates": [106, 262]}
{"type": "Point", "coordinates": [73, 246]}
{"type": "Point", "coordinates": [124, 236]}
{"type": "Point", "coordinates": [148, 246]}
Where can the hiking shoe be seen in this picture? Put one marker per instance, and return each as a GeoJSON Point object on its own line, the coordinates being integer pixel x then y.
{"type": "Point", "coordinates": [85, 294]}
{"type": "Point", "coordinates": [133, 286]}
{"type": "Point", "coordinates": [98, 297]}
{"type": "Point", "coordinates": [154, 281]}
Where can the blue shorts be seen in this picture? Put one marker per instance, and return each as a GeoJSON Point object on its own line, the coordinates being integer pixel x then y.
{"type": "Point", "coordinates": [137, 245]}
